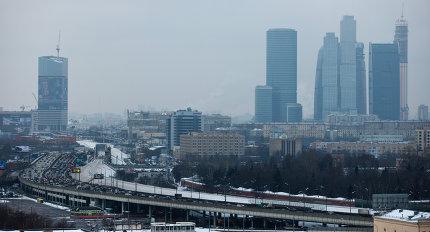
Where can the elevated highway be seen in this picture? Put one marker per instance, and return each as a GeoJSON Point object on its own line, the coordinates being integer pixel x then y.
{"type": "Point", "coordinates": [85, 196]}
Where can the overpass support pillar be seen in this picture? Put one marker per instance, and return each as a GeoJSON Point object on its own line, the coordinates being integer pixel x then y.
{"type": "Point", "coordinates": [149, 212]}
{"type": "Point", "coordinates": [122, 207]}
{"type": "Point", "coordinates": [264, 223]}
{"type": "Point", "coordinates": [215, 218]}
{"type": "Point", "coordinates": [188, 214]}
{"type": "Point", "coordinates": [103, 204]}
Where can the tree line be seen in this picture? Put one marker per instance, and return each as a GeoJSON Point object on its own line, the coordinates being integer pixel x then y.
{"type": "Point", "coordinates": [353, 176]}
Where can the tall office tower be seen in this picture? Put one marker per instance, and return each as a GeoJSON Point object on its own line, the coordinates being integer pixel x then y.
{"type": "Point", "coordinates": [361, 97]}
{"type": "Point", "coordinates": [182, 122]}
{"type": "Point", "coordinates": [348, 64]}
{"type": "Point", "coordinates": [281, 68]}
{"type": "Point", "coordinates": [423, 112]}
{"type": "Point", "coordinates": [330, 75]}
{"type": "Point", "coordinates": [384, 81]}
{"type": "Point", "coordinates": [401, 39]}
{"type": "Point", "coordinates": [263, 104]}
{"type": "Point", "coordinates": [52, 91]}
{"type": "Point", "coordinates": [318, 88]}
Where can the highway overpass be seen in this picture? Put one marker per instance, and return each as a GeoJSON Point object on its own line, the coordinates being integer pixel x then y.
{"type": "Point", "coordinates": [64, 194]}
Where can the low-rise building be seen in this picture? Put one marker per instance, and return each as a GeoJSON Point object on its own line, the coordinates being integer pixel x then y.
{"type": "Point", "coordinates": [389, 201]}
{"type": "Point", "coordinates": [294, 130]}
{"type": "Point", "coordinates": [173, 227]}
{"type": "Point", "coordinates": [423, 139]}
{"type": "Point", "coordinates": [400, 220]}
{"type": "Point", "coordinates": [372, 148]}
{"type": "Point", "coordinates": [212, 143]}
{"type": "Point", "coordinates": [17, 122]}
{"type": "Point", "coordinates": [285, 147]}
{"type": "Point", "coordinates": [350, 119]}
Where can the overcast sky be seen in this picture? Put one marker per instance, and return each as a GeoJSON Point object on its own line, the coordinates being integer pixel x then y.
{"type": "Point", "coordinates": [172, 54]}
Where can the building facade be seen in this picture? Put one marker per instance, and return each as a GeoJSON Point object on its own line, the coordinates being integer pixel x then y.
{"type": "Point", "coordinates": [263, 104]}
{"type": "Point", "coordinates": [318, 91]}
{"type": "Point", "coordinates": [294, 130]}
{"type": "Point", "coordinates": [361, 93]}
{"type": "Point", "coordinates": [384, 81]}
{"type": "Point", "coordinates": [52, 112]}
{"type": "Point", "coordinates": [401, 220]}
{"type": "Point", "coordinates": [347, 67]}
{"type": "Point", "coordinates": [285, 147]}
{"type": "Point", "coordinates": [423, 139]}
{"type": "Point", "coordinates": [292, 112]}
{"type": "Point", "coordinates": [371, 148]}
{"type": "Point", "coordinates": [281, 68]}
{"type": "Point", "coordinates": [212, 143]}
{"type": "Point", "coordinates": [401, 40]}
{"type": "Point", "coordinates": [182, 122]}
{"type": "Point", "coordinates": [423, 112]}
{"type": "Point", "coordinates": [16, 122]}
{"type": "Point", "coordinates": [330, 75]}
{"type": "Point", "coordinates": [390, 201]}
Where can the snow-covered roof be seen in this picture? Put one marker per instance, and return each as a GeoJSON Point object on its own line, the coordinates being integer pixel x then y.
{"type": "Point", "coordinates": [406, 215]}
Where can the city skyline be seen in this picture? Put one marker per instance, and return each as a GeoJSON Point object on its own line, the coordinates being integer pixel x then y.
{"type": "Point", "coordinates": [225, 80]}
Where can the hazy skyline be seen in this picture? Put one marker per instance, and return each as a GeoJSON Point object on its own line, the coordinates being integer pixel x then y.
{"type": "Point", "coordinates": [209, 55]}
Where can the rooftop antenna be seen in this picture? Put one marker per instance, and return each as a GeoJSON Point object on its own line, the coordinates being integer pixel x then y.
{"type": "Point", "coordinates": [403, 7]}
{"type": "Point", "coordinates": [58, 44]}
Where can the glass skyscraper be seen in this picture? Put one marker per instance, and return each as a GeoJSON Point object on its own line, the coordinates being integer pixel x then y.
{"type": "Point", "coordinates": [360, 75]}
{"type": "Point", "coordinates": [281, 68]}
{"type": "Point", "coordinates": [384, 81]}
{"type": "Point", "coordinates": [318, 88]}
{"type": "Point", "coordinates": [263, 104]}
{"type": "Point", "coordinates": [330, 75]}
{"type": "Point", "coordinates": [347, 64]}
{"type": "Point", "coordinates": [52, 112]}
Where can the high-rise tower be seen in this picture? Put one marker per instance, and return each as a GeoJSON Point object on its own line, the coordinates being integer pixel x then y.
{"type": "Point", "coordinates": [348, 64]}
{"type": "Point", "coordinates": [318, 87]}
{"type": "Point", "coordinates": [52, 104]}
{"type": "Point", "coordinates": [401, 39]}
{"type": "Point", "coordinates": [384, 81]}
{"type": "Point", "coordinates": [330, 75]}
{"type": "Point", "coordinates": [263, 104]}
{"type": "Point", "coordinates": [361, 97]}
{"type": "Point", "coordinates": [281, 68]}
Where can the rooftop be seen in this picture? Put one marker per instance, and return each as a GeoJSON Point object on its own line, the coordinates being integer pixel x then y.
{"type": "Point", "coordinates": [406, 215]}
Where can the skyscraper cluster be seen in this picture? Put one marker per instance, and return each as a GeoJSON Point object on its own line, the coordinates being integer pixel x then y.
{"type": "Point", "coordinates": [340, 84]}
{"type": "Point", "coordinates": [340, 79]}
{"type": "Point", "coordinates": [277, 100]}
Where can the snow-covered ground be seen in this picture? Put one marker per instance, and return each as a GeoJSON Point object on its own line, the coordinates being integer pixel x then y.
{"type": "Point", "coordinates": [118, 157]}
{"type": "Point", "coordinates": [46, 203]}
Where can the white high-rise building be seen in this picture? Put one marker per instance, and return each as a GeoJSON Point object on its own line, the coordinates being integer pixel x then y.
{"type": "Point", "coordinates": [401, 39]}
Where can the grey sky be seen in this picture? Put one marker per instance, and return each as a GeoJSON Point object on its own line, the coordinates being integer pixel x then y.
{"type": "Point", "coordinates": [172, 54]}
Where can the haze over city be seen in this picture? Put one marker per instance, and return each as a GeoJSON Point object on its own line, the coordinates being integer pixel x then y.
{"type": "Point", "coordinates": [175, 54]}
{"type": "Point", "coordinates": [200, 115]}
